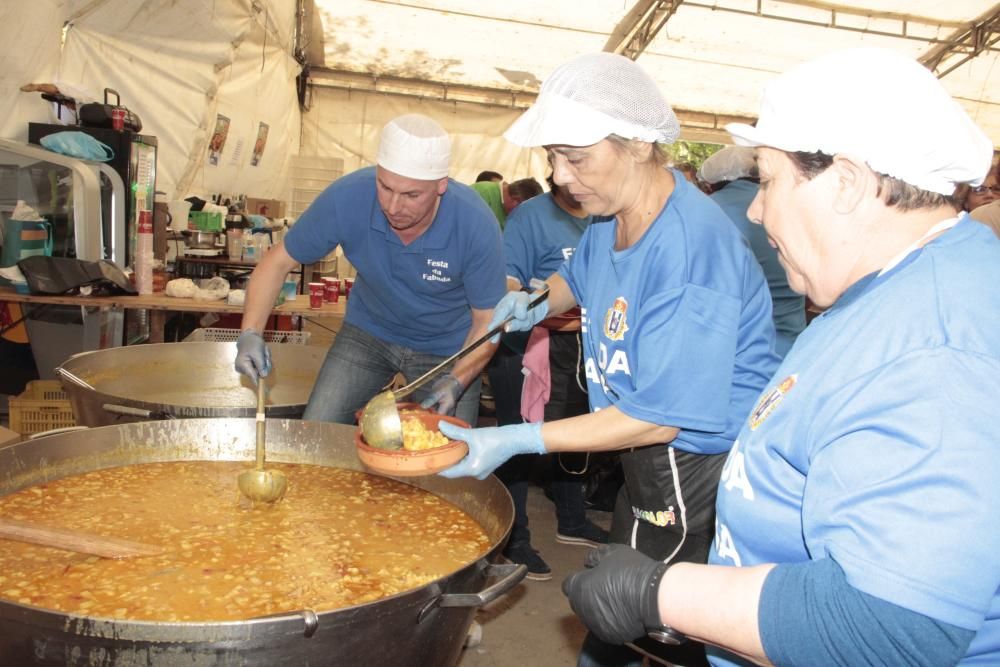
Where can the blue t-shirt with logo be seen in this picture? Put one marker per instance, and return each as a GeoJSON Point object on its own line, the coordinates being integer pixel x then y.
{"type": "Point", "coordinates": [876, 443]}
{"type": "Point", "coordinates": [417, 295]}
{"type": "Point", "coordinates": [788, 307]}
{"type": "Point", "coordinates": [677, 328]}
{"type": "Point", "coordinates": [539, 237]}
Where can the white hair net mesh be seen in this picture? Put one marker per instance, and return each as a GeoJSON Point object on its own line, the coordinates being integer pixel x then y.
{"type": "Point", "coordinates": [591, 97]}
{"type": "Point", "coordinates": [617, 87]}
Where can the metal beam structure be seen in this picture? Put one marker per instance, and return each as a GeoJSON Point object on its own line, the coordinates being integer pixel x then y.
{"type": "Point", "coordinates": [638, 28]}
{"type": "Point", "coordinates": [964, 44]}
{"type": "Point", "coordinates": [842, 17]}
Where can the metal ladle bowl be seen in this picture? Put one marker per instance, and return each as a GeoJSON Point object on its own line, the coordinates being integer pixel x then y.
{"type": "Point", "coordinates": [380, 423]}
{"type": "Point", "coordinates": [260, 485]}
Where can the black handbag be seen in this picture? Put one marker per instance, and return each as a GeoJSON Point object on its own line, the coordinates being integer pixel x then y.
{"type": "Point", "coordinates": [95, 114]}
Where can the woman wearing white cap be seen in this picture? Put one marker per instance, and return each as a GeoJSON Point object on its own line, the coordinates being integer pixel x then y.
{"type": "Point", "coordinates": [676, 317]}
{"type": "Point", "coordinates": [857, 515]}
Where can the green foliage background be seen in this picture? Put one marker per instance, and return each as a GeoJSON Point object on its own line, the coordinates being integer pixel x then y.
{"type": "Point", "coordinates": [694, 152]}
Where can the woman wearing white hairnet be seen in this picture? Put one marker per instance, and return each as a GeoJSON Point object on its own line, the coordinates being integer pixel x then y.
{"type": "Point", "coordinates": [676, 318]}
{"type": "Point", "coordinates": [857, 515]}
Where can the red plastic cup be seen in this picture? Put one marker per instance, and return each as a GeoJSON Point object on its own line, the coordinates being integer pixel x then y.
{"type": "Point", "coordinates": [316, 291]}
{"type": "Point", "coordinates": [326, 288]}
{"type": "Point", "coordinates": [348, 284]}
{"type": "Point", "coordinates": [332, 292]}
{"type": "Point", "coordinates": [118, 118]}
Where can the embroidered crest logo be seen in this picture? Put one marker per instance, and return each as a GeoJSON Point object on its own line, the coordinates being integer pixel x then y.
{"type": "Point", "coordinates": [615, 325]}
{"type": "Point", "coordinates": [769, 402]}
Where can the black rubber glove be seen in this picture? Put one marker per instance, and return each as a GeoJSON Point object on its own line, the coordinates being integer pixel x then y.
{"type": "Point", "coordinates": [617, 597]}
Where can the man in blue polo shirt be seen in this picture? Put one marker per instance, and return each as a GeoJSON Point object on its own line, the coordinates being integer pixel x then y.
{"type": "Point", "coordinates": [430, 269]}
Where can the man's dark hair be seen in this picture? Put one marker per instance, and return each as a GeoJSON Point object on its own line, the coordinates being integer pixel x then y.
{"type": "Point", "coordinates": [894, 192]}
{"type": "Point", "coordinates": [524, 189]}
{"type": "Point", "coordinates": [488, 176]}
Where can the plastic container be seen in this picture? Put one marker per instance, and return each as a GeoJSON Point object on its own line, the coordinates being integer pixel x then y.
{"type": "Point", "coordinates": [42, 406]}
{"type": "Point", "coordinates": [290, 289]}
{"type": "Point", "coordinates": [25, 238]}
{"type": "Point", "coordinates": [234, 243]}
{"type": "Point", "coordinates": [206, 222]}
{"type": "Point", "coordinates": [251, 252]}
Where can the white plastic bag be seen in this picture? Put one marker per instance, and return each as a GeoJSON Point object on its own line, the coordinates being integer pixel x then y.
{"type": "Point", "coordinates": [212, 290]}
{"type": "Point", "coordinates": [183, 288]}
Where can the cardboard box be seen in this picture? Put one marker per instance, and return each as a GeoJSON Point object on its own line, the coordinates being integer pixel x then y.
{"type": "Point", "coordinates": [8, 437]}
{"type": "Point", "coordinates": [271, 208]}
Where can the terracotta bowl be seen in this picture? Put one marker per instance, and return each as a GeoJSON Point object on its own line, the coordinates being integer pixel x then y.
{"type": "Point", "coordinates": [413, 407]}
{"type": "Point", "coordinates": [405, 463]}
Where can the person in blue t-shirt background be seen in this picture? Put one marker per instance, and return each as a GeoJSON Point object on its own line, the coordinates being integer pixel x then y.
{"type": "Point", "coordinates": [675, 319]}
{"type": "Point", "coordinates": [857, 511]}
{"type": "Point", "coordinates": [540, 236]}
{"type": "Point", "coordinates": [430, 269]}
{"type": "Point", "coordinates": [732, 174]}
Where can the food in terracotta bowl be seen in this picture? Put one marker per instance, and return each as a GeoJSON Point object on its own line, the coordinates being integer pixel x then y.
{"type": "Point", "coordinates": [425, 449]}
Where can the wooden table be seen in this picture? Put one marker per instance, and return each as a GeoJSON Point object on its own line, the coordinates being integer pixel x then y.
{"type": "Point", "coordinates": [158, 305]}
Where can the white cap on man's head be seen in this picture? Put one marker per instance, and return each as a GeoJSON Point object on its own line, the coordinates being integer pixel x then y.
{"type": "Point", "coordinates": [414, 146]}
{"type": "Point", "coordinates": [591, 97]}
{"type": "Point", "coordinates": [876, 105]}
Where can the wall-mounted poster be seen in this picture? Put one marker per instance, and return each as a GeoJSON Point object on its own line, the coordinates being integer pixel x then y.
{"type": "Point", "coordinates": [218, 140]}
{"type": "Point", "coordinates": [258, 147]}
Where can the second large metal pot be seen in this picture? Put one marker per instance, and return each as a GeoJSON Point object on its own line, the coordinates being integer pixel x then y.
{"type": "Point", "coordinates": [185, 380]}
{"type": "Point", "coordinates": [424, 626]}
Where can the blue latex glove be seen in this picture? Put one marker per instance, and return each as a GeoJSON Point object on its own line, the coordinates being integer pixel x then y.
{"type": "Point", "coordinates": [253, 359]}
{"type": "Point", "coordinates": [444, 395]}
{"type": "Point", "coordinates": [617, 598]}
{"type": "Point", "coordinates": [491, 447]}
{"type": "Point", "coordinates": [516, 304]}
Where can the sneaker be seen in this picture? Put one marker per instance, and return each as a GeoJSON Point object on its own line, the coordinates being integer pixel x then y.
{"type": "Point", "coordinates": [591, 535]}
{"type": "Point", "coordinates": [538, 569]}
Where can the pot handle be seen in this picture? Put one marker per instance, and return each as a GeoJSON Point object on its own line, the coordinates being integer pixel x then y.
{"type": "Point", "coordinates": [510, 575]}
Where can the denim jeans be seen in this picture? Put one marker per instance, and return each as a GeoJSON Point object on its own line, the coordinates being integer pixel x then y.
{"type": "Point", "coordinates": [359, 365]}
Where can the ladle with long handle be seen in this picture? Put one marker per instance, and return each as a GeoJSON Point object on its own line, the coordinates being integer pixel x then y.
{"type": "Point", "coordinates": [258, 484]}
{"type": "Point", "coordinates": [380, 424]}
{"type": "Point", "coordinates": [74, 540]}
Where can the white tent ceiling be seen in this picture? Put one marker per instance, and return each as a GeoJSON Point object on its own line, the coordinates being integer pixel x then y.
{"type": "Point", "coordinates": [711, 58]}
{"type": "Point", "coordinates": [183, 64]}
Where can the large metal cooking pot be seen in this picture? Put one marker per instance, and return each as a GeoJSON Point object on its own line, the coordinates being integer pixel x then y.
{"type": "Point", "coordinates": [142, 382]}
{"type": "Point", "coordinates": [425, 626]}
